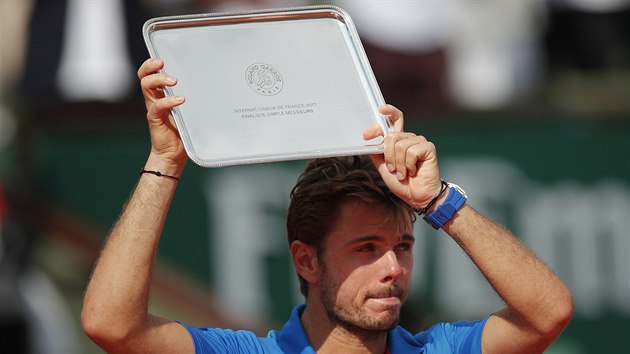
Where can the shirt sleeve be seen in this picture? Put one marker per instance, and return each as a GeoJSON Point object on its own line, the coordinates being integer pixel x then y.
{"type": "Point", "coordinates": [454, 337]}
{"type": "Point", "coordinates": [216, 340]}
{"type": "Point", "coordinates": [464, 336]}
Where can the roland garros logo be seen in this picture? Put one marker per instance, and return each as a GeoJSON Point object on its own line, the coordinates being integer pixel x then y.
{"type": "Point", "coordinates": [264, 79]}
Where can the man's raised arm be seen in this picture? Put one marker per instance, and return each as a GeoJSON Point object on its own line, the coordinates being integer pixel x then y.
{"type": "Point", "coordinates": [115, 309]}
{"type": "Point", "coordinates": [539, 305]}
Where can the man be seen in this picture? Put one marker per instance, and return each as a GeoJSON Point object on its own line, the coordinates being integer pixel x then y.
{"type": "Point", "coordinates": [350, 234]}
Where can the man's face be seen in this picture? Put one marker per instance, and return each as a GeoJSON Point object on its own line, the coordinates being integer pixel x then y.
{"type": "Point", "coordinates": [365, 268]}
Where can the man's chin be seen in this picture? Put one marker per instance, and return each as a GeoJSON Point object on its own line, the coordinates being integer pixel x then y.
{"type": "Point", "coordinates": [382, 324]}
{"type": "Point", "coordinates": [370, 321]}
{"type": "Point", "coordinates": [383, 320]}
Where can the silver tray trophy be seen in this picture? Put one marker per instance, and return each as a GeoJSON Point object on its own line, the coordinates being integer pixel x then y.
{"type": "Point", "coordinates": [269, 85]}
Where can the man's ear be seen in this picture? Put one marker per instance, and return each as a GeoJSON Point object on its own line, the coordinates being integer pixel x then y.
{"type": "Point", "coordinates": [305, 261]}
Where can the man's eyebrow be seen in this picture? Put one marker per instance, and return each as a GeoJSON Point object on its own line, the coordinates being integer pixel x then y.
{"type": "Point", "coordinates": [366, 238]}
{"type": "Point", "coordinates": [409, 237]}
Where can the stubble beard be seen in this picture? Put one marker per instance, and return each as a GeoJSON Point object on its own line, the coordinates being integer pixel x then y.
{"type": "Point", "coordinates": [356, 318]}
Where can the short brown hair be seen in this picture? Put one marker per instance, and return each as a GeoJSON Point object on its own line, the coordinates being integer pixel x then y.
{"type": "Point", "coordinates": [321, 190]}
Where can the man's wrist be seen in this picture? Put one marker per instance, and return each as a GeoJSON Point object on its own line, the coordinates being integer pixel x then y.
{"type": "Point", "coordinates": [164, 166]}
{"type": "Point", "coordinates": [444, 211]}
{"type": "Point", "coordinates": [439, 201]}
{"type": "Point", "coordinates": [423, 209]}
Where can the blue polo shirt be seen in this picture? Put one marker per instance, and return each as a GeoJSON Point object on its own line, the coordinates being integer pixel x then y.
{"type": "Point", "coordinates": [457, 337]}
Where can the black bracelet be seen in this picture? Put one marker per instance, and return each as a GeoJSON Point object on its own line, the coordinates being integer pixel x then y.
{"type": "Point", "coordinates": [443, 188]}
{"type": "Point", "coordinates": [158, 173]}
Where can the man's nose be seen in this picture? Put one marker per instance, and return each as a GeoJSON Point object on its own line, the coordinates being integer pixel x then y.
{"type": "Point", "coordinates": [391, 268]}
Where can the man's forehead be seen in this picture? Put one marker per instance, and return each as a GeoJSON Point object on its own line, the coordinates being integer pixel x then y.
{"type": "Point", "coordinates": [389, 213]}
{"type": "Point", "coordinates": [365, 219]}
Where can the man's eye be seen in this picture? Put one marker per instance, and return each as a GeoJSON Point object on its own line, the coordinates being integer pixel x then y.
{"type": "Point", "coordinates": [403, 247]}
{"type": "Point", "coordinates": [366, 248]}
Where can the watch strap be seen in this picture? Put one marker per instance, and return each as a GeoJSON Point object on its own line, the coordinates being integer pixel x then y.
{"type": "Point", "coordinates": [444, 212]}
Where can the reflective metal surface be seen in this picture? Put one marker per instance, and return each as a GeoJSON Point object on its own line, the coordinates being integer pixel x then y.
{"type": "Point", "coordinates": [268, 85]}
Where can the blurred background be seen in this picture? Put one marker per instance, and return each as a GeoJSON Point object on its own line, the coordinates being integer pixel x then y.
{"type": "Point", "coordinates": [527, 101]}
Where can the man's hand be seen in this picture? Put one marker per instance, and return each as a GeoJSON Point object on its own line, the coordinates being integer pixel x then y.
{"type": "Point", "coordinates": [167, 150]}
{"type": "Point", "coordinates": [408, 164]}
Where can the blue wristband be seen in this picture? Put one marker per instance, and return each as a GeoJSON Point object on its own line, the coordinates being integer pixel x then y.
{"type": "Point", "coordinates": [445, 212]}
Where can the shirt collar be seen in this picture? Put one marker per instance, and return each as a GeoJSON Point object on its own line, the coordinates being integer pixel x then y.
{"type": "Point", "coordinates": [292, 337]}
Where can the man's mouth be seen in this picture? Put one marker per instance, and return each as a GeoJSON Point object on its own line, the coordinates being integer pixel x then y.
{"type": "Point", "coordinates": [388, 296]}
{"type": "Point", "coordinates": [387, 301]}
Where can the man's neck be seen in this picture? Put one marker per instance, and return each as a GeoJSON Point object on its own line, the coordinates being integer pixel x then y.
{"type": "Point", "coordinates": [328, 337]}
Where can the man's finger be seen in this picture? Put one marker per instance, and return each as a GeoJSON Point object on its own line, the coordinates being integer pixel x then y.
{"type": "Point", "coordinates": [157, 81]}
{"type": "Point", "coordinates": [162, 107]}
{"type": "Point", "coordinates": [418, 154]}
{"type": "Point", "coordinates": [372, 132]}
{"type": "Point", "coordinates": [391, 154]}
{"type": "Point", "coordinates": [150, 66]}
{"type": "Point", "coordinates": [395, 116]}
{"type": "Point", "coordinates": [402, 151]}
